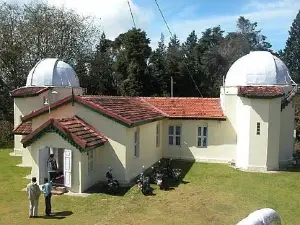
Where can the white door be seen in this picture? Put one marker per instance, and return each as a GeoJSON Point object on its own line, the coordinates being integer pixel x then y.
{"type": "Point", "coordinates": [43, 168]}
{"type": "Point", "coordinates": [67, 167]}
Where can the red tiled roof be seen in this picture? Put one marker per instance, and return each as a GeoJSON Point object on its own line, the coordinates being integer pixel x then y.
{"type": "Point", "coordinates": [194, 108]}
{"type": "Point", "coordinates": [134, 110]}
{"type": "Point", "coordinates": [28, 91]}
{"type": "Point", "coordinates": [129, 110]}
{"type": "Point", "coordinates": [260, 91]}
{"type": "Point", "coordinates": [23, 128]}
{"type": "Point", "coordinates": [74, 129]}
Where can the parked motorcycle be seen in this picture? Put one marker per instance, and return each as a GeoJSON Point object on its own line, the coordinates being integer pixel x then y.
{"type": "Point", "coordinates": [174, 173]}
{"type": "Point", "coordinates": [143, 183]}
{"type": "Point", "coordinates": [157, 176]}
{"type": "Point", "coordinates": [112, 182]}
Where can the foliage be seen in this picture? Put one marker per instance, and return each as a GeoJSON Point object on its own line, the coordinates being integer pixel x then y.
{"type": "Point", "coordinates": [291, 53]}
{"type": "Point", "coordinates": [6, 137]}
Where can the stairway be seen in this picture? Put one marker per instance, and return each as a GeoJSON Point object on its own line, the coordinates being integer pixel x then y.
{"type": "Point", "coordinates": [57, 190]}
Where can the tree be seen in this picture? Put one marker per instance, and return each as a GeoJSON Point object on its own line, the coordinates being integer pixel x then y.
{"type": "Point", "coordinates": [101, 74]}
{"type": "Point", "coordinates": [157, 69]}
{"type": "Point", "coordinates": [174, 58]}
{"type": "Point", "coordinates": [256, 40]}
{"type": "Point", "coordinates": [34, 31]}
{"type": "Point", "coordinates": [291, 54]}
{"type": "Point", "coordinates": [132, 53]}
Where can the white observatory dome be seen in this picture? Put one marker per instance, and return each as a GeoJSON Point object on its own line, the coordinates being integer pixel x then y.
{"type": "Point", "coordinates": [258, 68]}
{"type": "Point", "coordinates": [52, 72]}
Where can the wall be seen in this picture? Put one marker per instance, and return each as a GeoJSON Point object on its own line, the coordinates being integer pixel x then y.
{"type": "Point", "coordinates": [64, 111]}
{"type": "Point", "coordinates": [274, 134]}
{"type": "Point", "coordinates": [287, 125]}
{"type": "Point", "coordinates": [243, 115]}
{"type": "Point", "coordinates": [221, 141]}
{"type": "Point", "coordinates": [259, 143]}
{"type": "Point", "coordinates": [88, 179]}
{"type": "Point", "coordinates": [113, 153]}
{"type": "Point", "coordinates": [55, 141]}
{"type": "Point", "coordinates": [23, 106]}
{"type": "Point", "coordinates": [148, 152]}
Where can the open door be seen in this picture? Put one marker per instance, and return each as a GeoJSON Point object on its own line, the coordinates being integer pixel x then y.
{"type": "Point", "coordinates": [67, 167]}
{"type": "Point", "coordinates": [43, 169]}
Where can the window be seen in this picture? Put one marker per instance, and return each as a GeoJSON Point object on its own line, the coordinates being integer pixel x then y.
{"type": "Point", "coordinates": [258, 128]}
{"type": "Point", "coordinates": [90, 161]}
{"type": "Point", "coordinates": [158, 134]}
{"type": "Point", "coordinates": [202, 137]}
{"type": "Point", "coordinates": [136, 143]}
{"type": "Point", "coordinates": [174, 135]}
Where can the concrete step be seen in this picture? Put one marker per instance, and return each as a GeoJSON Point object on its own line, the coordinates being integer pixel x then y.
{"type": "Point", "coordinates": [55, 192]}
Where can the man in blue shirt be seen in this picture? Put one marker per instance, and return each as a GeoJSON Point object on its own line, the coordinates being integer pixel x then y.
{"type": "Point", "coordinates": [46, 188]}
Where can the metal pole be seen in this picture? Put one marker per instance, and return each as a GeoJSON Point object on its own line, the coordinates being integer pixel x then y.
{"type": "Point", "coordinates": [171, 86]}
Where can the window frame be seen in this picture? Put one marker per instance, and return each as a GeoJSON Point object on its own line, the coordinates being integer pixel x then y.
{"type": "Point", "coordinates": [202, 136]}
{"type": "Point", "coordinates": [174, 135]}
{"type": "Point", "coordinates": [91, 161]}
{"type": "Point", "coordinates": [158, 135]}
{"type": "Point", "coordinates": [136, 143]}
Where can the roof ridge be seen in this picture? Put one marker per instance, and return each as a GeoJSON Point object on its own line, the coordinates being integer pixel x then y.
{"type": "Point", "coordinates": [154, 107]}
{"type": "Point", "coordinates": [104, 110]}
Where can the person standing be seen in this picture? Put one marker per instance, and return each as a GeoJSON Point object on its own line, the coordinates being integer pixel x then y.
{"type": "Point", "coordinates": [33, 192]}
{"type": "Point", "coordinates": [47, 187]}
{"type": "Point", "coordinates": [52, 167]}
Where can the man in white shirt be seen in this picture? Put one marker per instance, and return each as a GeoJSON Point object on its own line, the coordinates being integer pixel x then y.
{"type": "Point", "coordinates": [33, 192]}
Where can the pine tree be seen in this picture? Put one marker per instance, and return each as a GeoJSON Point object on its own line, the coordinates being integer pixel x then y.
{"type": "Point", "coordinates": [291, 53]}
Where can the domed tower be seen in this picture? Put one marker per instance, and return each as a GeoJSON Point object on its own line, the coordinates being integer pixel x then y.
{"type": "Point", "coordinates": [49, 81]}
{"type": "Point", "coordinates": [257, 98]}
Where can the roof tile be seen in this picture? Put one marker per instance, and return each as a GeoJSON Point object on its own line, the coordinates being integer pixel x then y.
{"type": "Point", "coordinates": [28, 91]}
{"type": "Point", "coordinates": [88, 140]}
{"type": "Point", "coordinates": [196, 108]}
{"type": "Point", "coordinates": [260, 91]}
{"type": "Point", "coordinates": [24, 128]}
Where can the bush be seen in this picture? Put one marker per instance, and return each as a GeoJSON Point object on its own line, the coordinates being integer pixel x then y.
{"type": "Point", "coordinates": [6, 135]}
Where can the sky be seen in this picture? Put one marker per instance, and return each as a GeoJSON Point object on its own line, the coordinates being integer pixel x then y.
{"type": "Point", "coordinates": [274, 17]}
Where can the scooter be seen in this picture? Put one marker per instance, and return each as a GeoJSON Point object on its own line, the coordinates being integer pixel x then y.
{"type": "Point", "coordinates": [143, 183]}
{"type": "Point", "coordinates": [174, 173]}
{"type": "Point", "coordinates": [112, 183]}
{"type": "Point", "coordinates": [157, 176]}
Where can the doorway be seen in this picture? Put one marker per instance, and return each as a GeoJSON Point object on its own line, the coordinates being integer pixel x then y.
{"type": "Point", "coordinates": [63, 159]}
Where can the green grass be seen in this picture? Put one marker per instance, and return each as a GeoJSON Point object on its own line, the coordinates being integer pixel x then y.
{"type": "Point", "coordinates": [213, 194]}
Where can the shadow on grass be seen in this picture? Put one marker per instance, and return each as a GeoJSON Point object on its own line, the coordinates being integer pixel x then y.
{"type": "Point", "coordinates": [101, 188]}
{"type": "Point", "coordinates": [169, 183]}
{"type": "Point", "coordinates": [57, 215]}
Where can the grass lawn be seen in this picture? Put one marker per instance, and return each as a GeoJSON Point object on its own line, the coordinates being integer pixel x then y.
{"type": "Point", "coordinates": [212, 194]}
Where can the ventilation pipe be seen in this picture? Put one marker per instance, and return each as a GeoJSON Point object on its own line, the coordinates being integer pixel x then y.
{"type": "Point", "coordinates": [264, 216]}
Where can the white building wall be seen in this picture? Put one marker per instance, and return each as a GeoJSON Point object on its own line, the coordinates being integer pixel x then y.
{"type": "Point", "coordinates": [259, 112]}
{"type": "Point", "coordinates": [243, 115]}
{"type": "Point", "coordinates": [274, 134]}
{"type": "Point", "coordinates": [287, 126]}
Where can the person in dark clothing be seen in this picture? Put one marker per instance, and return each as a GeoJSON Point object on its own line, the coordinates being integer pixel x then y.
{"type": "Point", "coordinates": [46, 188]}
{"type": "Point", "coordinates": [52, 167]}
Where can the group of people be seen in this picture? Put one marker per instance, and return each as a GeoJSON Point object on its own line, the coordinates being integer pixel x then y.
{"type": "Point", "coordinates": [34, 192]}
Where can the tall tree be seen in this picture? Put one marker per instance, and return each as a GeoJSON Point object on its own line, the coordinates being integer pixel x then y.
{"type": "Point", "coordinates": [101, 74]}
{"type": "Point", "coordinates": [157, 69]}
{"type": "Point", "coordinates": [174, 60]}
{"type": "Point", "coordinates": [291, 54]}
{"type": "Point", "coordinates": [249, 32]}
{"type": "Point", "coordinates": [133, 52]}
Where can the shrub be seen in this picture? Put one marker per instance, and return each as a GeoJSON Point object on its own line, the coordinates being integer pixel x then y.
{"type": "Point", "coordinates": [6, 135]}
